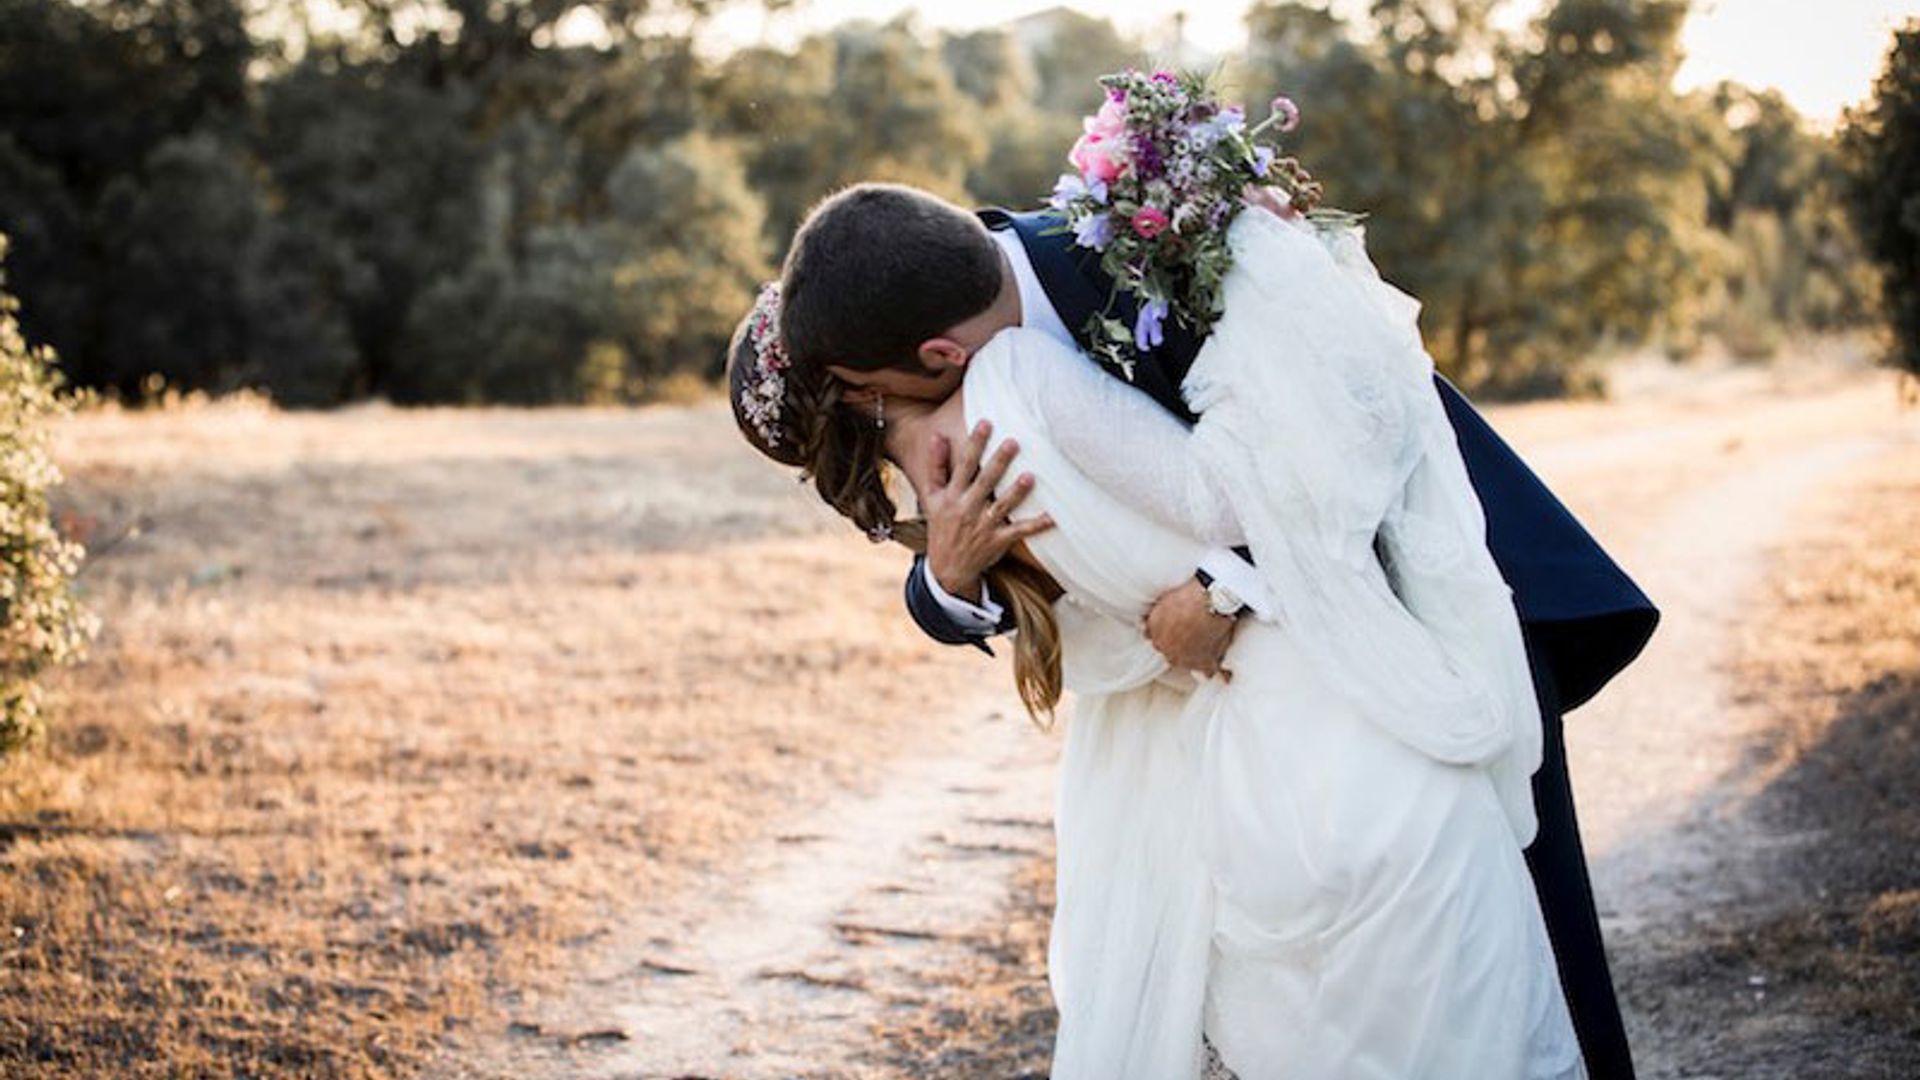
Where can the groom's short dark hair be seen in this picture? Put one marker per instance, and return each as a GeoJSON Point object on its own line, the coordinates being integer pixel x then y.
{"type": "Point", "coordinates": [877, 269]}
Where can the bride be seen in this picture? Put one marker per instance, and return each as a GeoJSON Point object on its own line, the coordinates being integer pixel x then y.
{"type": "Point", "coordinates": [1312, 867]}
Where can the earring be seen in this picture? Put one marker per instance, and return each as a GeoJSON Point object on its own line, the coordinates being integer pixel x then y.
{"type": "Point", "coordinates": [880, 411]}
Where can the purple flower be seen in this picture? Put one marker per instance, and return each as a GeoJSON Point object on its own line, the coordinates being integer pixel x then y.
{"type": "Point", "coordinates": [1262, 160]}
{"type": "Point", "coordinates": [1147, 331]}
{"type": "Point", "coordinates": [1093, 231]}
{"type": "Point", "coordinates": [1165, 78]}
{"type": "Point", "coordinates": [1146, 157]}
{"type": "Point", "coordinates": [1072, 187]}
{"type": "Point", "coordinates": [1231, 120]}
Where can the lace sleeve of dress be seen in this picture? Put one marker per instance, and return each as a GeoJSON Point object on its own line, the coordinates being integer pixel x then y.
{"type": "Point", "coordinates": [1124, 442]}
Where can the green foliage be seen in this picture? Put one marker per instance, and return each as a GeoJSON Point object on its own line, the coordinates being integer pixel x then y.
{"type": "Point", "coordinates": [379, 165]}
{"type": "Point", "coordinates": [1526, 188]}
{"type": "Point", "coordinates": [93, 89]}
{"type": "Point", "coordinates": [863, 102]}
{"type": "Point", "coordinates": [1029, 97]}
{"type": "Point", "coordinates": [43, 625]}
{"type": "Point", "coordinates": [1547, 195]}
{"type": "Point", "coordinates": [1882, 144]}
{"type": "Point", "coordinates": [1779, 253]}
{"type": "Point", "coordinates": [98, 102]}
{"type": "Point", "coordinates": [602, 310]}
{"type": "Point", "coordinates": [684, 244]}
{"type": "Point", "coordinates": [170, 301]}
{"type": "Point", "coordinates": [443, 204]}
{"type": "Point", "coordinates": [299, 288]}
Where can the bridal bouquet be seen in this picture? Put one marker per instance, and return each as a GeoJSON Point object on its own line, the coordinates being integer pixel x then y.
{"type": "Point", "coordinates": [1161, 171]}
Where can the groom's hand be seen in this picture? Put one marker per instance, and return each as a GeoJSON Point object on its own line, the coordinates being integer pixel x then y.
{"type": "Point", "coordinates": [1184, 628]}
{"type": "Point", "coordinates": [967, 529]}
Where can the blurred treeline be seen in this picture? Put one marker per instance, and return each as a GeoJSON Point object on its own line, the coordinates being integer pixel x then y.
{"type": "Point", "coordinates": [456, 201]}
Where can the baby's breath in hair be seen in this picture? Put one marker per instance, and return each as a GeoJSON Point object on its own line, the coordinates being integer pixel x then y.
{"type": "Point", "coordinates": [765, 387]}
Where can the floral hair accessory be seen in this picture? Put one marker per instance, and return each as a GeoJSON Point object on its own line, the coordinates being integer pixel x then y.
{"type": "Point", "coordinates": [766, 385]}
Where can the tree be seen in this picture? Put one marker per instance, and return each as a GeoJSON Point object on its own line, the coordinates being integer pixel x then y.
{"type": "Point", "coordinates": [1882, 145]}
{"type": "Point", "coordinates": [384, 165]}
{"type": "Point", "coordinates": [613, 305]}
{"type": "Point", "coordinates": [1529, 188]}
{"type": "Point", "coordinates": [92, 89]}
{"type": "Point", "coordinates": [89, 93]}
{"type": "Point", "coordinates": [863, 102]}
{"type": "Point", "coordinates": [1779, 255]}
{"type": "Point", "coordinates": [171, 301]}
{"type": "Point", "coordinates": [685, 251]}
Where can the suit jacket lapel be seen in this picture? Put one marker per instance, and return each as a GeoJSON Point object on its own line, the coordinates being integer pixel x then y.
{"type": "Point", "coordinates": [1073, 281]}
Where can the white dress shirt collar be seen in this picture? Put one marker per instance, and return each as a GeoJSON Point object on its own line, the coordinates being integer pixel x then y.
{"type": "Point", "coordinates": [1036, 311]}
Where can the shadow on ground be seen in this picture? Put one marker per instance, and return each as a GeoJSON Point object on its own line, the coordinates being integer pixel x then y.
{"type": "Point", "coordinates": [1820, 974]}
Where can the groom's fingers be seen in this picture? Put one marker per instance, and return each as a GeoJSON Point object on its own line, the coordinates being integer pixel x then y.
{"type": "Point", "coordinates": [942, 460]}
{"type": "Point", "coordinates": [989, 478]}
{"type": "Point", "coordinates": [1016, 495]}
{"type": "Point", "coordinates": [970, 453]}
{"type": "Point", "coordinates": [1010, 535]}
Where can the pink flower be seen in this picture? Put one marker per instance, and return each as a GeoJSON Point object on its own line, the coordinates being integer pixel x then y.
{"type": "Point", "coordinates": [1101, 153]}
{"type": "Point", "coordinates": [1110, 122]}
{"type": "Point", "coordinates": [1288, 112]}
{"type": "Point", "coordinates": [1150, 221]}
{"type": "Point", "coordinates": [1099, 159]}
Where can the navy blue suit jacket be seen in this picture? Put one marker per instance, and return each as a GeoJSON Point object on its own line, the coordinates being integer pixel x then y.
{"type": "Point", "coordinates": [1584, 617]}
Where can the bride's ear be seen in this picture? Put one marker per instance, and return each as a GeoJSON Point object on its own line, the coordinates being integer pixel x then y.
{"type": "Point", "coordinates": [943, 354]}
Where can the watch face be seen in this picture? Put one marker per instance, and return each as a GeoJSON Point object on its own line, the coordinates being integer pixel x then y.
{"type": "Point", "coordinates": [1222, 599]}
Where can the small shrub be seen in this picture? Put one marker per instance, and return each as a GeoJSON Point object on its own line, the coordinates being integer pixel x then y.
{"type": "Point", "coordinates": [42, 624]}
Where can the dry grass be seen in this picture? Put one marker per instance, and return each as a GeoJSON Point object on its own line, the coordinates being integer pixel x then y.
{"type": "Point", "coordinates": [395, 710]}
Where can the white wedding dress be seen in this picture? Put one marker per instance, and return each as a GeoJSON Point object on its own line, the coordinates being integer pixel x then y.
{"type": "Point", "coordinates": [1316, 867]}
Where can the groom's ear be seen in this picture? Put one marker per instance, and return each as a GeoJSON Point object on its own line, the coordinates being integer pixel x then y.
{"type": "Point", "coordinates": [943, 354]}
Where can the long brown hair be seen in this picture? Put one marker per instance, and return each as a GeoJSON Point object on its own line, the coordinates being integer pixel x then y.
{"type": "Point", "coordinates": [844, 454]}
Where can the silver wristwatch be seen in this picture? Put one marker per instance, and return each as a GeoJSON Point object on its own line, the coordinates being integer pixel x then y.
{"type": "Point", "coordinates": [1223, 601]}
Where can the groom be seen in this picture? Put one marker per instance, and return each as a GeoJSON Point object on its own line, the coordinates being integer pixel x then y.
{"type": "Point", "coordinates": [893, 290]}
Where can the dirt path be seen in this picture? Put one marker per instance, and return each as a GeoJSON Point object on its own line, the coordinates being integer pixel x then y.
{"type": "Point", "coordinates": [781, 962]}
{"type": "Point", "coordinates": [1662, 762]}
{"type": "Point", "coordinates": [778, 965]}
{"type": "Point", "coordinates": [1657, 757]}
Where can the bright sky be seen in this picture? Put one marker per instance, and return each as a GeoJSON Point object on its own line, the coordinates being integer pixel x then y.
{"type": "Point", "coordinates": [1822, 54]}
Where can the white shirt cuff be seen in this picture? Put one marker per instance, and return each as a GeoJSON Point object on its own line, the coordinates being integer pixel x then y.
{"type": "Point", "coordinates": [1243, 578]}
{"type": "Point", "coordinates": [982, 618]}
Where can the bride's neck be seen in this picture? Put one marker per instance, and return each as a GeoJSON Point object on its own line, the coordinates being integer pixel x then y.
{"type": "Point", "coordinates": [911, 426]}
